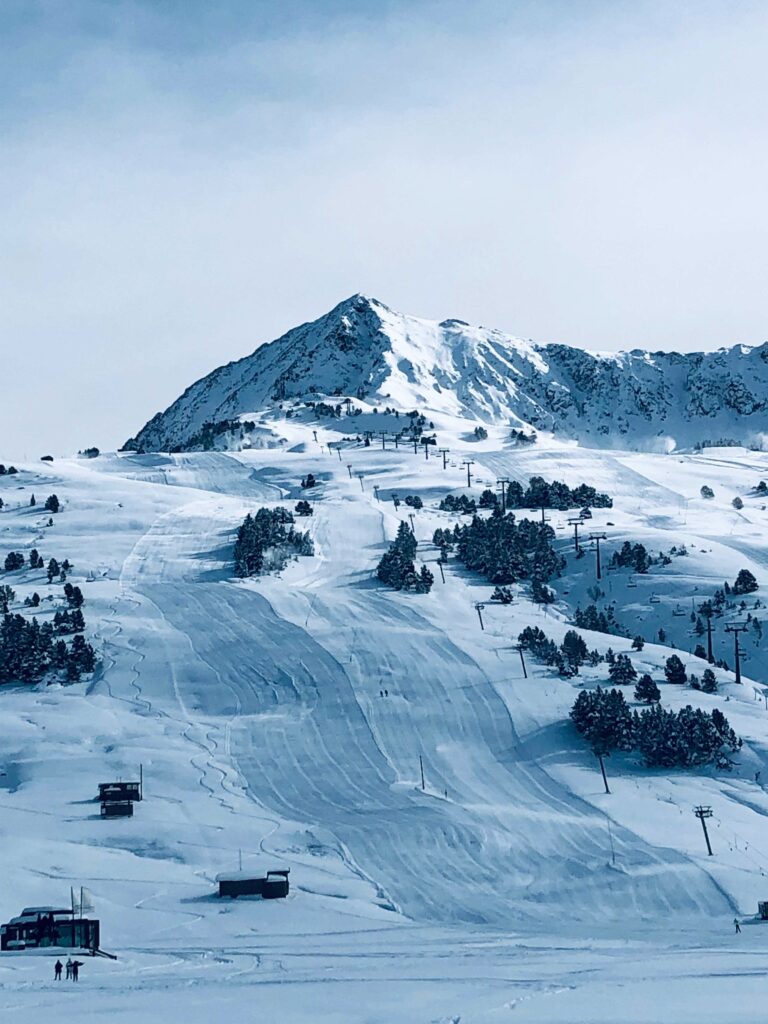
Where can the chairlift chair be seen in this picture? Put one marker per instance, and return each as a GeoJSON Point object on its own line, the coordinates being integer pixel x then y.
{"type": "Point", "coordinates": [654, 599]}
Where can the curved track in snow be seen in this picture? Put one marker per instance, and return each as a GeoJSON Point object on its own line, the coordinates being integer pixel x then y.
{"type": "Point", "coordinates": [292, 676]}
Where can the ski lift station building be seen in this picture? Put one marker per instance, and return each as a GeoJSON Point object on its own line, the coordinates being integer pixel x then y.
{"type": "Point", "coordinates": [270, 885]}
{"type": "Point", "coordinates": [40, 927]}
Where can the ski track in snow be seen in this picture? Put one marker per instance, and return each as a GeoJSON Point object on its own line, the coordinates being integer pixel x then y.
{"type": "Point", "coordinates": [508, 836]}
{"type": "Point", "coordinates": [465, 901]}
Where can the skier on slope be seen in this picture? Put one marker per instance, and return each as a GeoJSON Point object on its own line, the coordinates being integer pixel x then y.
{"type": "Point", "coordinates": [738, 926]}
{"type": "Point", "coordinates": [69, 968]}
{"type": "Point", "coordinates": [57, 970]}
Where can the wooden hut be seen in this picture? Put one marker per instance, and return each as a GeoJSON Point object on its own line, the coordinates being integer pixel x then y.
{"type": "Point", "coordinates": [117, 791]}
{"type": "Point", "coordinates": [270, 885]}
{"type": "Point", "coordinates": [117, 809]}
{"type": "Point", "coordinates": [39, 927]}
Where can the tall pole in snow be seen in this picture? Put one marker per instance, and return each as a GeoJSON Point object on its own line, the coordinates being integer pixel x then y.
{"type": "Point", "coordinates": [600, 755]}
{"type": "Point", "coordinates": [479, 608]}
{"type": "Point", "coordinates": [597, 537]}
{"type": "Point", "coordinates": [576, 523]}
{"type": "Point", "coordinates": [736, 628]}
{"type": "Point", "coordinates": [710, 654]}
{"type": "Point", "coordinates": [702, 813]}
{"type": "Point", "coordinates": [444, 452]}
{"type": "Point", "coordinates": [519, 649]}
{"type": "Point", "coordinates": [421, 766]}
{"type": "Point", "coordinates": [502, 483]}
{"type": "Point", "coordinates": [468, 463]}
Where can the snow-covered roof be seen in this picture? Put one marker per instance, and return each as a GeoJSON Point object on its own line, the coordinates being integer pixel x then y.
{"type": "Point", "coordinates": [244, 876]}
{"type": "Point", "coordinates": [28, 911]}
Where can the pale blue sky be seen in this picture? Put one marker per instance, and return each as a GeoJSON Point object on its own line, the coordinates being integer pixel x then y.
{"type": "Point", "coordinates": [182, 181]}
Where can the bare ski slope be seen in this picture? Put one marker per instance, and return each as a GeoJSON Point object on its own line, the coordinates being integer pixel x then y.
{"type": "Point", "coordinates": [256, 706]}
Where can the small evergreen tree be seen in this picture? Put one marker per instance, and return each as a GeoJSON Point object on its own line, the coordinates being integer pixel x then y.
{"type": "Point", "coordinates": [745, 583]}
{"type": "Point", "coordinates": [709, 681]}
{"type": "Point", "coordinates": [646, 690]}
{"type": "Point", "coordinates": [674, 670]}
{"type": "Point", "coordinates": [14, 560]}
{"type": "Point", "coordinates": [622, 672]}
{"type": "Point", "coordinates": [52, 504]}
{"type": "Point", "coordinates": [574, 649]}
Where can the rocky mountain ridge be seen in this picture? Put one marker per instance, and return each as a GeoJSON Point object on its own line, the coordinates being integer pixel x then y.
{"type": "Point", "coordinates": [363, 349]}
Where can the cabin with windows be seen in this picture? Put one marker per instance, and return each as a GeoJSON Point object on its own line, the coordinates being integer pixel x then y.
{"type": "Point", "coordinates": [39, 927]}
{"type": "Point", "coordinates": [272, 885]}
{"type": "Point", "coordinates": [118, 791]}
{"type": "Point", "coordinates": [117, 809]}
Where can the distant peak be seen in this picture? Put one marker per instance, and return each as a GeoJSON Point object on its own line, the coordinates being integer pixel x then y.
{"type": "Point", "coordinates": [359, 302]}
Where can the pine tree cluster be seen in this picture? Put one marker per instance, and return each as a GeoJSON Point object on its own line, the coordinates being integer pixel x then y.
{"type": "Point", "coordinates": [666, 739]}
{"type": "Point", "coordinates": [567, 658]}
{"type": "Point", "coordinates": [396, 567]}
{"type": "Point", "coordinates": [745, 583]}
{"type": "Point", "coordinates": [66, 622]}
{"type": "Point", "coordinates": [504, 549]}
{"type": "Point", "coordinates": [541, 494]}
{"type": "Point", "coordinates": [29, 651]}
{"type": "Point", "coordinates": [264, 544]}
{"type": "Point", "coordinates": [458, 503]}
{"type": "Point", "coordinates": [632, 556]}
{"type": "Point", "coordinates": [597, 620]}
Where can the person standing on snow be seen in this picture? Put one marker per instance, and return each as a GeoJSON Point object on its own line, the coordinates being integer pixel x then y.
{"type": "Point", "coordinates": [75, 969]}
{"type": "Point", "coordinates": [57, 970]}
{"type": "Point", "coordinates": [738, 926]}
{"type": "Point", "coordinates": [69, 968]}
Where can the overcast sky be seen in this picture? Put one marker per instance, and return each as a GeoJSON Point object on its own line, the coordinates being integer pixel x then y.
{"type": "Point", "coordinates": [183, 180]}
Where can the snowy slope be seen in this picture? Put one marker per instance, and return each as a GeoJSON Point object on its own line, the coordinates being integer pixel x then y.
{"type": "Point", "coordinates": [510, 881]}
{"type": "Point", "coordinates": [655, 401]}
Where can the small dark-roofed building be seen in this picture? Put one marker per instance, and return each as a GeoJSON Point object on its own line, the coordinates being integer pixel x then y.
{"type": "Point", "coordinates": [111, 791]}
{"type": "Point", "coordinates": [39, 927]}
{"type": "Point", "coordinates": [270, 885]}
{"type": "Point", "coordinates": [117, 809]}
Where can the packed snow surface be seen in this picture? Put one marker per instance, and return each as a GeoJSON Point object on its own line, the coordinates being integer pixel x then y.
{"type": "Point", "coordinates": [509, 886]}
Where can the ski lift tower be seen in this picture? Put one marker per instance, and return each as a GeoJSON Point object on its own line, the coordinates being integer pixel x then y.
{"type": "Point", "coordinates": [736, 628]}
{"type": "Point", "coordinates": [576, 523]}
{"type": "Point", "coordinates": [597, 537]}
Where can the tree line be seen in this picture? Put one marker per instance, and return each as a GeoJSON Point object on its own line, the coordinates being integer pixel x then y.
{"type": "Point", "coordinates": [396, 567]}
{"type": "Point", "coordinates": [687, 738]}
{"type": "Point", "coordinates": [504, 549]}
{"type": "Point", "coordinates": [265, 541]}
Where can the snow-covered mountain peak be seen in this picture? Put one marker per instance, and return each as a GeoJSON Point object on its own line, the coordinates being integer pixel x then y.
{"type": "Point", "coordinates": [363, 348]}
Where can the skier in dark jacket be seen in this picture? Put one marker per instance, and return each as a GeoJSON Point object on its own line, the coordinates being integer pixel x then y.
{"type": "Point", "coordinates": [738, 926]}
{"type": "Point", "coordinates": [75, 969]}
{"type": "Point", "coordinates": [57, 970]}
